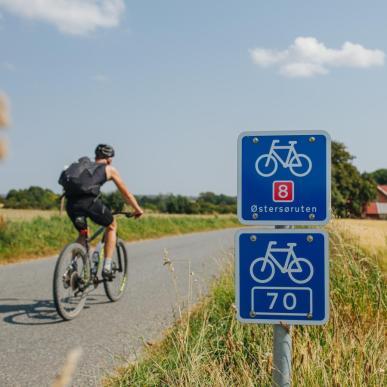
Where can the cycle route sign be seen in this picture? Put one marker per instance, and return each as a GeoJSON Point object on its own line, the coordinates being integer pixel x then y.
{"type": "Point", "coordinates": [284, 177]}
{"type": "Point", "coordinates": [282, 276]}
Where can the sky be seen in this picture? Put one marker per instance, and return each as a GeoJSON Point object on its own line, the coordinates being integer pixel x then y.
{"type": "Point", "coordinates": [171, 84]}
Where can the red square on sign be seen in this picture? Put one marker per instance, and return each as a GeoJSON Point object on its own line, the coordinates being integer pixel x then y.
{"type": "Point", "coordinates": [283, 191]}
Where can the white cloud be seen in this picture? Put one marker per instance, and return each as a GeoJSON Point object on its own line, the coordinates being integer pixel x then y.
{"type": "Point", "coordinates": [302, 69]}
{"type": "Point", "coordinates": [77, 17]}
{"type": "Point", "coordinates": [308, 57]}
{"type": "Point", "coordinates": [266, 58]}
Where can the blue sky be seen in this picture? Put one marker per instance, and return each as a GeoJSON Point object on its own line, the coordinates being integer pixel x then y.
{"type": "Point", "coordinates": [171, 84]}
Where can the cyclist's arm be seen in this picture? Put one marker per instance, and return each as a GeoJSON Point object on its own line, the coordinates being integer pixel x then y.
{"type": "Point", "coordinates": [112, 174]}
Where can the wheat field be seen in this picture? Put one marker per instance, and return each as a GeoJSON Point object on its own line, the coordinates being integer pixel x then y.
{"type": "Point", "coordinates": [13, 214]}
{"type": "Point", "coordinates": [370, 235]}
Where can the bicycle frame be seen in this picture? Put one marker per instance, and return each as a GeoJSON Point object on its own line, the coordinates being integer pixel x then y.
{"type": "Point", "coordinates": [93, 277]}
{"type": "Point", "coordinates": [291, 151]}
{"type": "Point", "coordinates": [290, 256]}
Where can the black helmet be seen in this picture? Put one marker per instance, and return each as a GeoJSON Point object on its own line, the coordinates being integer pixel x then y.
{"type": "Point", "coordinates": [104, 151]}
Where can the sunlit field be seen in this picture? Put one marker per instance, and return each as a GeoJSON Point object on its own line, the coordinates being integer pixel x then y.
{"type": "Point", "coordinates": [370, 235]}
{"type": "Point", "coordinates": [12, 214]}
{"type": "Point", "coordinates": [15, 214]}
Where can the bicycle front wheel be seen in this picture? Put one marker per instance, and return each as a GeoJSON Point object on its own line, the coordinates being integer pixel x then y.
{"type": "Point", "coordinates": [300, 271]}
{"type": "Point", "coordinates": [300, 165]}
{"type": "Point", "coordinates": [115, 288]}
{"type": "Point", "coordinates": [72, 271]}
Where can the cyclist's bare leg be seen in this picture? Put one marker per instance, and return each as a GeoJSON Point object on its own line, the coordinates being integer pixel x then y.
{"type": "Point", "coordinates": [110, 239]}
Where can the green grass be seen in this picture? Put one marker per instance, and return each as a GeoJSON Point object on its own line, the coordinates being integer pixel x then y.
{"type": "Point", "coordinates": [40, 237]}
{"type": "Point", "coordinates": [209, 347]}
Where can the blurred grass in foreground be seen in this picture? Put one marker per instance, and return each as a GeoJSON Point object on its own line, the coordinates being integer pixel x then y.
{"type": "Point", "coordinates": [40, 237]}
{"type": "Point", "coordinates": [208, 347]}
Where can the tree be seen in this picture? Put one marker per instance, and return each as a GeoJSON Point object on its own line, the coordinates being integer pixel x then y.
{"type": "Point", "coordinates": [380, 176]}
{"type": "Point", "coordinates": [114, 200]}
{"type": "Point", "coordinates": [351, 191]}
{"type": "Point", "coordinates": [33, 197]}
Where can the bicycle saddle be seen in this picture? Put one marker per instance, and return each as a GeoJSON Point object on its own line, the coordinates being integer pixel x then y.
{"type": "Point", "coordinates": [81, 222]}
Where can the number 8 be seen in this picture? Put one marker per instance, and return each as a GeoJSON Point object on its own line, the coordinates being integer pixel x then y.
{"type": "Point", "coordinates": [283, 191]}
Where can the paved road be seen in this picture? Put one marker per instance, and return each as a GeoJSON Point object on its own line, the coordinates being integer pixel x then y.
{"type": "Point", "coordinates": [34, 342]}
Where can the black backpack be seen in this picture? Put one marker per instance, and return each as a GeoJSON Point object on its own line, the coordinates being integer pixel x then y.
{"type": "Point", "coordinates": [78, 179]}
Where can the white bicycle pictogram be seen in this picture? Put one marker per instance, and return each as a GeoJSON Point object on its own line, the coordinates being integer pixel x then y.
{"type": "Point", "coordinates": [299, 164]}
{"type": "Point", "coordinates": [262, 269]}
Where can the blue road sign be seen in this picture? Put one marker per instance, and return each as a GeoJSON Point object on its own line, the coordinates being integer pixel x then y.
{"type": "Point", "coordinates": [282, 276]}
{"type": "Point", "coordinates": [284, 178]}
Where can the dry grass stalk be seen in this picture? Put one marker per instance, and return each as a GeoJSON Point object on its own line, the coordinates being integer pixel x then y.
{"type": "Point", "coordinates": [4, 111]}
{"type": "Point", "coordinates": [3, 149]}
{"type": "Point", "coordinates": [64, 378]}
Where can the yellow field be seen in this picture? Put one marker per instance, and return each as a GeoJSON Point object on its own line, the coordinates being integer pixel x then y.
{"type": "Point", "coordinates": [11, 214]}
{"type": "Point", "coordinates": [371, 235]}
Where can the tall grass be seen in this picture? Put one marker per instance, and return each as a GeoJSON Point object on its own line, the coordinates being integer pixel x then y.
{"type": "Point", "coordinates": [40, 237]}
{"type": "Point", "coordinates": [209, 347]}
{"type": "Point", "coordinates": [369, 235]}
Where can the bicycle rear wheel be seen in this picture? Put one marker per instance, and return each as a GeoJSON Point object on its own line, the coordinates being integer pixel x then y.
{"type": "Point", "coordinates": [71, 271]}
{"type": "Point", "coordinates": [115, 288]}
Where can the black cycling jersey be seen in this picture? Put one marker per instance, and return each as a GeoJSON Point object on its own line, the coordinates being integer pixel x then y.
{"type": "Point", "coordinates": [89, 205]}
{"type": "Point", "coordinates": [94, 176]}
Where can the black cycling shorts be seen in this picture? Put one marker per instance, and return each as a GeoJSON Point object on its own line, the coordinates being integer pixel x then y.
{"type": "Point", "coordinates": [88, 207]}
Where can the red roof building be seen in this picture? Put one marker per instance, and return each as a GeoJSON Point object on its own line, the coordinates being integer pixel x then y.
{"type": "Point", "coordinates": [378, 209]}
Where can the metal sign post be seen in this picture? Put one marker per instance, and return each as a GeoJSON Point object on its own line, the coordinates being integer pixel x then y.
{"type": "Point", "coordinates": [282, 352]}
{"type": "Point", "coordinates": [281, 276]}
{"type": "Point", "coordinates": [282, 356]}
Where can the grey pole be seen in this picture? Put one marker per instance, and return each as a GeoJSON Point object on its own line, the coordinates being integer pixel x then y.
{"type": "Point", "coordinates": [282, 356]}
{"type": "Point", "coordinates": [282, 352]}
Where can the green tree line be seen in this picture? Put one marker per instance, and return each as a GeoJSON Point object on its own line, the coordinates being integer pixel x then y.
{"type": "Point", "coordinates": [206, 203]}
{"type": "Point", "coordinates": [351, 191]}
{"type": "Point", "coordinates": [33, 197]}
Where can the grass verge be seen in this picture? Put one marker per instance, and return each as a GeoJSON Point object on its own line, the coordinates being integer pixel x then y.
{"type": "Point", "coordinates": [208, 347]}
{"type": "Point", "coordinates": [40, 237]}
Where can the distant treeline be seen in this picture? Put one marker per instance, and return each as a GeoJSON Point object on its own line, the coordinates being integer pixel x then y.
{"type": "Point", "coordinates": [206, 203]}
{"type": "Point", "coordinates": [351, 191]}
{"type": "Point", "coordinates": [33, 197]}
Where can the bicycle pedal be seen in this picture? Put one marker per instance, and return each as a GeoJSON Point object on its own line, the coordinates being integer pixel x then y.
{"type": "Point", "coordinates": [107, 275]}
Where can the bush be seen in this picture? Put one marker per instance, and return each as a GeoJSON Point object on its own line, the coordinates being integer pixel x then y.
{"type": "Point", "coordinates": [33, 197]}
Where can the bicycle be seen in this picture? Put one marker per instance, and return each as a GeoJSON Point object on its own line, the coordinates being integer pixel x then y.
{"type": "Point", "coordinates": [262, 269]}
{"type": "Point", "coordinates": [76, 273]}
{"type": "Point", "coordinates": [293, 161]}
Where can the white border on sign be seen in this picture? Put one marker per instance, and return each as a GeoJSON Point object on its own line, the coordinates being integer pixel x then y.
{"type": "Point", "coordinates": [326, 275]}
{"type": "Point", "coordinates": [258, 221]}
{"type": "Point", "coordinates": [309, 290]}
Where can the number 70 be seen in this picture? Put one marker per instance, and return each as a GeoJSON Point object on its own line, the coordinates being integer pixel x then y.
{"type": "Point", "coordinates": [289, 300]}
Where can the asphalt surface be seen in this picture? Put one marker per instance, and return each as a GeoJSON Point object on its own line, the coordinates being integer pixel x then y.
{"type": "Point", "coordinates": [34, 341]}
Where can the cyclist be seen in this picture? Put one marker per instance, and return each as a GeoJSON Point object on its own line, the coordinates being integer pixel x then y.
{"type": "Point", "coordinates": [79, 206]}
